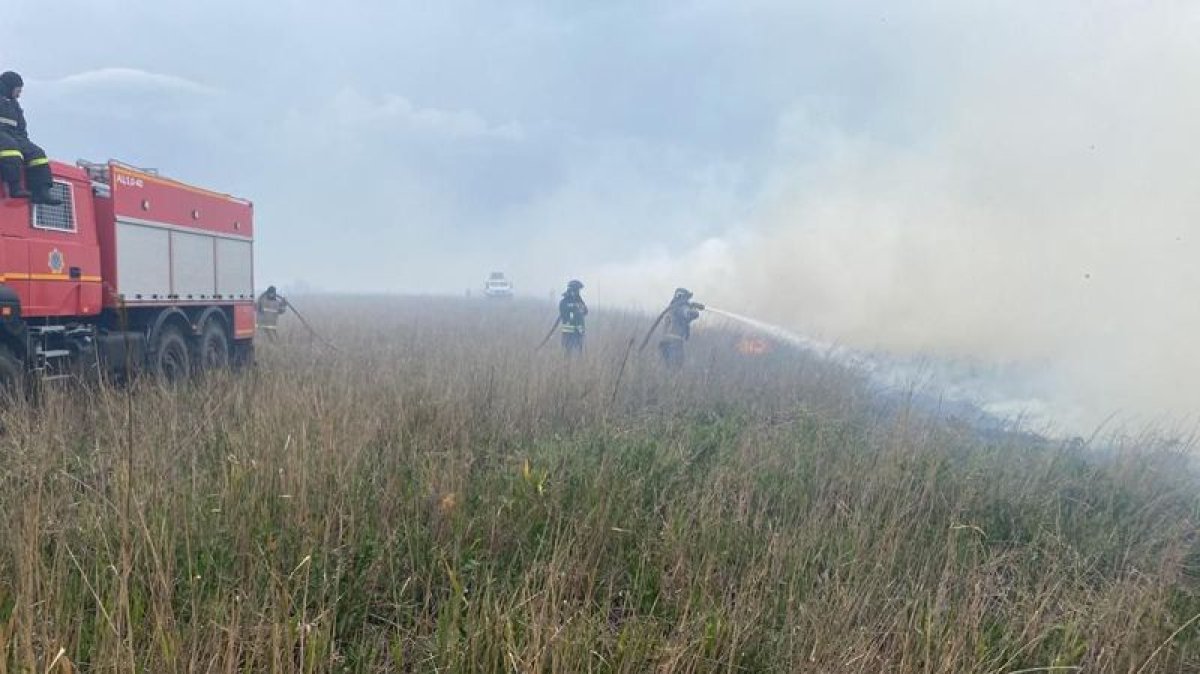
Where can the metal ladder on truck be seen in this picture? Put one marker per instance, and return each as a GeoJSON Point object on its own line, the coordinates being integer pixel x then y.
{"type": "Point", "coordinates": [53, 359]}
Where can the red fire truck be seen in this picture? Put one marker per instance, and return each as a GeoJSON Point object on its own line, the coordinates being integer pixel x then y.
{"type": "Point", "coordinates": [132, 271]}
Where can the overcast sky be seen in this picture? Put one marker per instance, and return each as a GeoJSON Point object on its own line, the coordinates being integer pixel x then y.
{"type": "Point", "coordinates": [995, 179]}
{"type": "Point", "coordinates": [413, 145]}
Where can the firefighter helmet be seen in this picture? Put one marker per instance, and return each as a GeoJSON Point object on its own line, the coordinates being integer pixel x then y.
{"type": "Point", "coordinates": [574, 284]}
{"type": "Point", "coordinates": [10, 81]}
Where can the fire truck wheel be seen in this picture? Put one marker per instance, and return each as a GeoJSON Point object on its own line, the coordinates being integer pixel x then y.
{"type": "Point", "coordinates": [170, 361]}
{"type": "Point", "coordinates": [12, 375]}
{"type": "Point", "coordinates": [213, 348]}
{"type": "Point", "coordinates": [241, 356]}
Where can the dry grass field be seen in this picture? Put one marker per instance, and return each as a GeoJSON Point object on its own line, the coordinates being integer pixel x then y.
{"type": "Point", "coordinates": [437, 496]}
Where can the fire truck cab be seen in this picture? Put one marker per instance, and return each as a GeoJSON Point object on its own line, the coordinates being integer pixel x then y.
{"type": "Point", "coordinates": [133, 270]}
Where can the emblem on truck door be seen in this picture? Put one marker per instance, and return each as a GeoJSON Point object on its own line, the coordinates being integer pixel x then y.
{"type": "Point", "coordinates": [57, 262]}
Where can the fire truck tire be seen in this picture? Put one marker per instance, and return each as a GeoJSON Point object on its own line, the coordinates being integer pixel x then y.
{"type": "Point", "coordinates": [213, 348]}
{"type": "Point", "coordinates": [12, 375]}
{"type": "Point", "coordinates": [170, 361]}
{"type": "Point", "coordinates": [243, 354]}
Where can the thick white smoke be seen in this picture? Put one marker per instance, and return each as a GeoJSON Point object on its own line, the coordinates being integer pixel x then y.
{"type": "Point", "coordinates": [1048, 216]}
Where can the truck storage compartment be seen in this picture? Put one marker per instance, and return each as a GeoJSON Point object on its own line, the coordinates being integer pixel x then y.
{"type": "Point", "coordinates": [171, 242]}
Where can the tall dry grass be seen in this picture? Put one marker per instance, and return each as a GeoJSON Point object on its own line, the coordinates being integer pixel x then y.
{"type": "Point", "coordinates": [437, 496]}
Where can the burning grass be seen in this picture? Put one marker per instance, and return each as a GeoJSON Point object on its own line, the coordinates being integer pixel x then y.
{"type": "Point", "coordinates": [437, 496]}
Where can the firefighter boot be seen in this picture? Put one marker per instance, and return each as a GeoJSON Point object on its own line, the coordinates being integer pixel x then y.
{"type": "Point", "coordinates": [15, 191]}
{"type": "Point", "coordinates": [10, 172]}
{"type": "Point", "coordinates": [40, 182]}
{"type": "Point", "coordinates": [42, 195]}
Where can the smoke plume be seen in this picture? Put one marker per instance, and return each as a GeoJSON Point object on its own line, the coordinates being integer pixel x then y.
{"type": "Point", "coordinates": [1046, 215]}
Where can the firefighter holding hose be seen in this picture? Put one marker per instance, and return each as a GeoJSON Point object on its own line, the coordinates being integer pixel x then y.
{"type": "Point", "coordinates": [677, 327]}
{"type": "Point", "coordinates": [270, 306]}
{"type": "Point", "coordinates": [571, 312]}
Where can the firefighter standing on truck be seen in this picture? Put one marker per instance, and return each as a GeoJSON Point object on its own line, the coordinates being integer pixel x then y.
{"type": "Point", "coordinates": [571, 312]}
{"type": "Point", "coordinates": [678, 327]}
{"type": "Point", "coordinates": [270, 305]}
{"type": "Point", "coordinates": [17, 151]}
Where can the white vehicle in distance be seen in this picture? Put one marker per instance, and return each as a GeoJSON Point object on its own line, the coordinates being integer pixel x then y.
{"type": "Point", "coordinates": [497, 286]}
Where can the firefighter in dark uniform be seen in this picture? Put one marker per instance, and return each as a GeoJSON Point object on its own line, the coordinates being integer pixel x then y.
{"type": "Point", "coordinates": [677, 327]}
{"type": "Point", "coordinates": [270, 305]}
{"type": "Point", "coordinates": [17, 151]}
{"type": "Point", "coordinates": [571, 312]}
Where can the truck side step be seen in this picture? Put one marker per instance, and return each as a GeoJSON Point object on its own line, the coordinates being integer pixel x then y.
{"type": "Point", "coordinates": [54, 353]}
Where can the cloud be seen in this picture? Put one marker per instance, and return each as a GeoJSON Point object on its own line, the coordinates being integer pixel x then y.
{"type": "Point", "coordinates": [125, 81]}
{"type": "Point", "coordinates": [353, 110]}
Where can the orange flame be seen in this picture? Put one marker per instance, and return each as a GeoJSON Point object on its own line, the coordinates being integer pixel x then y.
{"type": "Point", "coordinates": [753, 346]}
